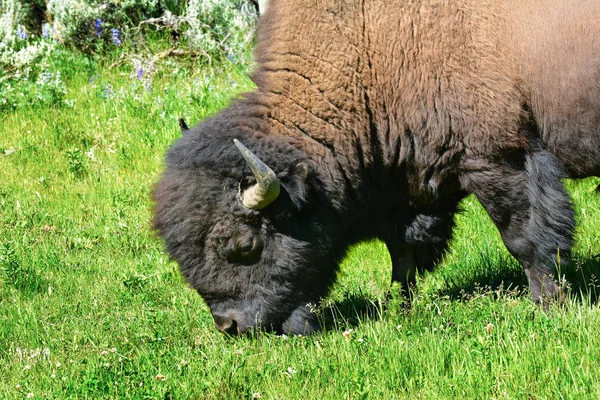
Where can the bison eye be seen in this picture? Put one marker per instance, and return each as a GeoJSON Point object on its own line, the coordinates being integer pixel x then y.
{"type": "Point", "coordinates": [246, 247]}
{"type": "Point", "coordinates": [245, 250]}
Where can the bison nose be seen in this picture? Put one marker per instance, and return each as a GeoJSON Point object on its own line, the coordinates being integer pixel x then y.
{"type": "Point", "coordinates": [228, 323]}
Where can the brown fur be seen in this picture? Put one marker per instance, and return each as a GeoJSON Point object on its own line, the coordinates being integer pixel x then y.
{"type": "Point", "coordinates": [348, 69]}
{"type": "Point", "coordinates": [428, 68]}
{"type": "Point", "coordinates": [558, 46]}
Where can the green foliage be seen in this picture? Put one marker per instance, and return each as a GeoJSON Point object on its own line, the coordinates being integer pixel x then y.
{"type": "Point", "coordinates": [75, 161]}
{"type": "Point", "coordinates": [218, 27]}
{"type": "Point", "coordinates": [49, 90]}
{"type": "Point", "coordinates": [132, 34]}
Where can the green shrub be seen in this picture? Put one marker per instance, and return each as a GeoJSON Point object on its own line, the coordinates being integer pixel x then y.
{"type": "Point", "coordinates": [48, 90]}
{"type": "Point", "coordinates": [218, 27]}
{"type": "Point", "coordinates": [35, 33]}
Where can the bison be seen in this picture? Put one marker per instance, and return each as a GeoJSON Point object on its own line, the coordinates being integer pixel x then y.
{"type": "Point", "coordinates": [373, 119]}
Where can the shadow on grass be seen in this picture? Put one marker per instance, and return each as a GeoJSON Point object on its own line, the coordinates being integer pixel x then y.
{"type": "Point", "coordinates": [488, 274]}
{"type": "Point", "coordinates": [581, 277]}
{"type": "Point", "coordinates": [350, 312]}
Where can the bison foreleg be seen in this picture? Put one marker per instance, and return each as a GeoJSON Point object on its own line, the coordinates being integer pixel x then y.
{"type": "Point", "coordinates": [404, 266]}
{"type": "Point", "coordinates": [423, 244]}
{"type": "Point", "coordinates": [530, 206]}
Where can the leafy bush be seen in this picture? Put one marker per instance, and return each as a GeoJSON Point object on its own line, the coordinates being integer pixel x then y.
{"type": "Point", "coordinates": [17, 51]}
{"type": "Point", "coordinates": [34, 33]}
{"type": "Point", "coordinates": [218, 27]}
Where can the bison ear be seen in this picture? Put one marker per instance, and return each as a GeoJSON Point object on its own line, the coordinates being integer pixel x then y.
{"type": "Point", "coordinates": [301, 170]}
{"type": "Point", "coordinates": [296, 183]}
{"type": "Point", "coordinates": [183, 126]}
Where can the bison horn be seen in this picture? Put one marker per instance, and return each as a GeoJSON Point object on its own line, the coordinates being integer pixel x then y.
{"type": "Point", "coordinates": [266, 189]}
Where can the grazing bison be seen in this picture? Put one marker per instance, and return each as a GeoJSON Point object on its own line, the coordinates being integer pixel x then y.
{"type": "Point", "coordinates": [373, 119]}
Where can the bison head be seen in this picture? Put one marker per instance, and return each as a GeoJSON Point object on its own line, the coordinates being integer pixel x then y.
{"type": "Point", "coordinates": [249, 231]}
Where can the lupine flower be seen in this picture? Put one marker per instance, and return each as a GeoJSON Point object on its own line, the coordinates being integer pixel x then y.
{"type": "Point", "coordinates": [21, 33]}
{"type": "Point", "coordinates": [107, 90]}
{"type": "Point", "coordinates": [231, 82]}
{"type": "Point", "coordinates": [139, 74]}
{"type": "Point", "coordinates": [98, 25]}
{"type": "Point", "coordinates": [115, 36]}
{"type": "Point", "coordinates": [46, 76]}
{"type": "Point", "coordinates": [92, 79]}
{"type": "Point", "coordinates": [46, 28]}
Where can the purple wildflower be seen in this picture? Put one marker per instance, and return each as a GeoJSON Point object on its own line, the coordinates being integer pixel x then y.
{"type": "Point", "coordinates": [46, 76]}
{"type": "Point", "coordinates": [107, 90]}
{"type": "Point", "coordinates": [46, 30]}
{"type": "Point", "coordinates": [115, 36]}
{"type": "Point", "coordinates": [139, 74]}
{"type": "Point", "coordinates": [92, 79]}
{"type": "Point", "coordinates": [231, 82]}
{"type": "Point", "coordinates": [98, 25]}
{"type": "Point", "coordinates": [22, 33]}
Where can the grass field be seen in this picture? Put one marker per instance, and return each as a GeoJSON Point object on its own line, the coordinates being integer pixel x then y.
{"type": "Point", "coordinates": [91, 306]}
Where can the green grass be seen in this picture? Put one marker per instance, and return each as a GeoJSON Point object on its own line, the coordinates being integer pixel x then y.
{"type": "Point", "coordinates": [91, 306]}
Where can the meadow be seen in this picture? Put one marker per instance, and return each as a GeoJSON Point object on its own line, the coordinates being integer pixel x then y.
{"type": "Point", "coordinates": [92, 307]}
